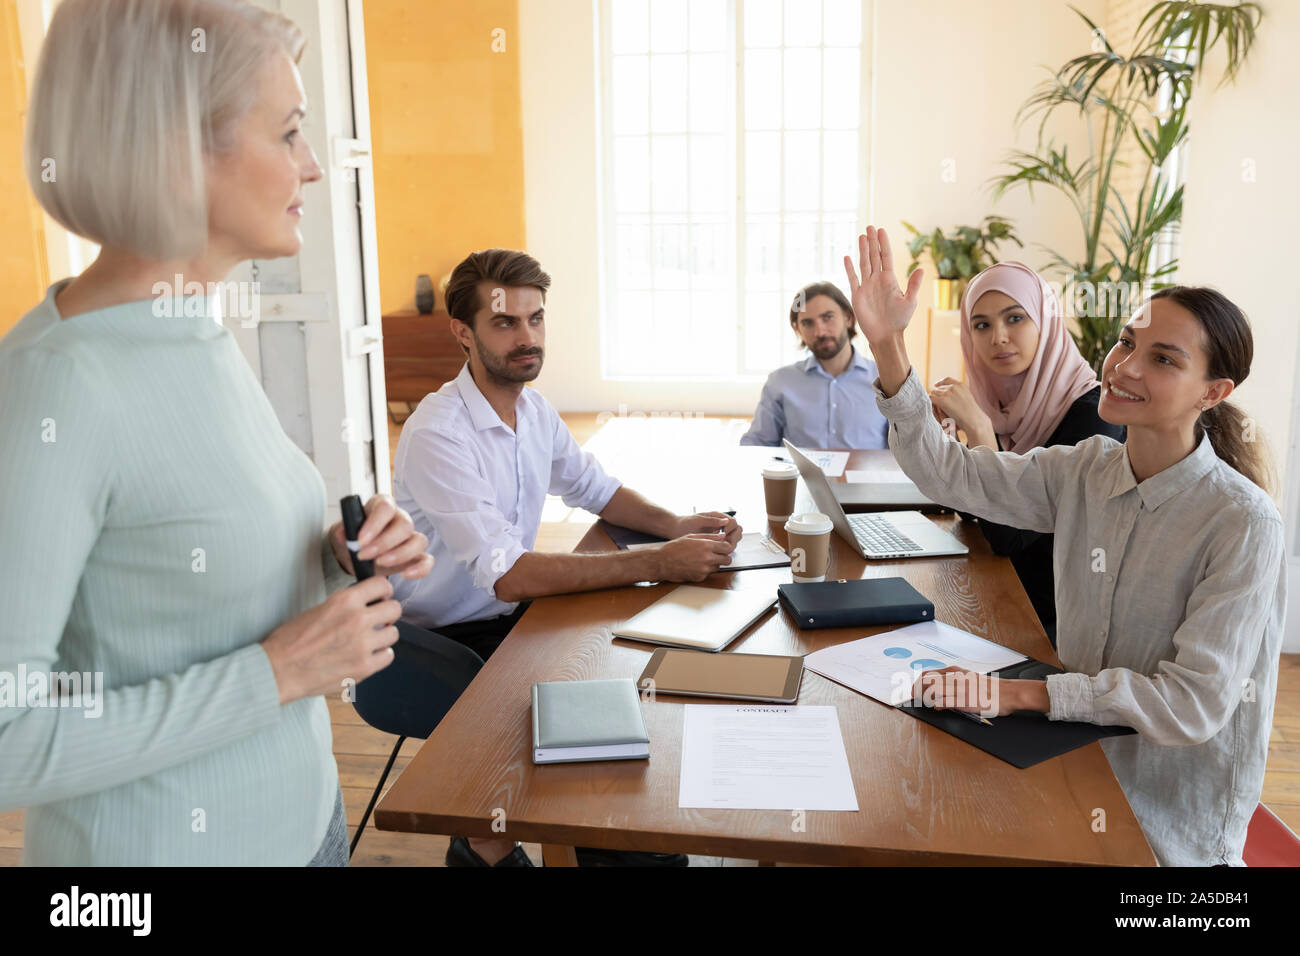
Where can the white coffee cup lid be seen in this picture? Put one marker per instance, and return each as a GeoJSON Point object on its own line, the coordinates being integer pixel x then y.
{"type": "Point", "coordinates": [811, 522]}
{"type": "Point", "coordinates": [780, 469]}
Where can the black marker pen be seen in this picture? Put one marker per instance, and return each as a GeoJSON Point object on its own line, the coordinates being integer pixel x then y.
{"type": "Point", "coordinates": [354, 516]}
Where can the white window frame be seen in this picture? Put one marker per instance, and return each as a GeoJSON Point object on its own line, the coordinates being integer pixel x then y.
{"type": "Point", "coordinates": [735, 141]}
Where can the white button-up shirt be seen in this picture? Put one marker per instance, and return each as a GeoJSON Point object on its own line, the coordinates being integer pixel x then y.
{"type": "Point", "coordinates": [1170, 598]}
{"type": "Point", "coordinates": [476, 489]}
{"type": "Point", "coordinates": [813, 409]}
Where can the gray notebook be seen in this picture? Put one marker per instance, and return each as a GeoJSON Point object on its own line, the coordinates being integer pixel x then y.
{"type": "Point", "coordinates": [588, 720]}
{"type": "Point", "coordinates": [703, 619]}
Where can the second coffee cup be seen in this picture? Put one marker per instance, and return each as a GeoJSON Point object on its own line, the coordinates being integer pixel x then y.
{"type": "Point", "coordinates": [809, 535]}
{"type": "Point", "coordinates": [779, 484]}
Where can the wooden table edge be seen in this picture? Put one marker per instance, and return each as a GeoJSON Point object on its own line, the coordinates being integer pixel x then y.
{"type": "Point", "coordinates": [562, 836]}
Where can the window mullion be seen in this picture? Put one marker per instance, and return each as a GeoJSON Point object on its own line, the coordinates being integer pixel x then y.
{"type": "Point", "coordinates": [737, 11]}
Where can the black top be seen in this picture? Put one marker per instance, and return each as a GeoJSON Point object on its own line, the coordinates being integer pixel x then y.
{"type": "Point", "coordinates": [1031, 551]}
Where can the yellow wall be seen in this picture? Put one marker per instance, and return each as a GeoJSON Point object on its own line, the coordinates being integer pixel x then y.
{"type": "Point", "coordinates": [23, 268]}
{"type": "Point", "coordinates": [446, 134]}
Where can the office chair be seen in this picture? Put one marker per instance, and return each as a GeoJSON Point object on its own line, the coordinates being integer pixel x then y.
{"type": "Point", "coordinates": [412, 694]}
{"type": "Point", "coordinates": [1269, 841]}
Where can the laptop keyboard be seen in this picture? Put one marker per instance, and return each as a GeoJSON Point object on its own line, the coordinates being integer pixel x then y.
{"type": "Point", "coordinates": [878, 536]}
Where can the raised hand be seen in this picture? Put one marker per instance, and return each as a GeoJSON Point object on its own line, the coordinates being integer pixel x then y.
{"type": "Point", "coordinates": [881, 308]}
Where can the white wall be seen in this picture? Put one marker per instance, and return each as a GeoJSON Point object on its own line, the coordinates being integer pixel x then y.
{"type": "Point", "coordinates": [1243, 199]}
{"type": "Point", "coordinates": [949, 78]}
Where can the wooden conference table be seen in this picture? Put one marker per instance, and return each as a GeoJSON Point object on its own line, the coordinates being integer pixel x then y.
{"type": "Point", "coordinates": [924, 796]}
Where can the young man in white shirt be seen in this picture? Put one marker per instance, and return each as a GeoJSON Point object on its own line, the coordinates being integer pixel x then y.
{"type": "Point", "coordinates": [825, 400]}
{"type": "Point", "coordinates": [474, 465]}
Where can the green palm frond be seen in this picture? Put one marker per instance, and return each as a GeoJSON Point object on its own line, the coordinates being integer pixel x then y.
{"type": "Point", "coordinates": [1192, 28]}
{"type": "Point", "coordinates": [1117, 96]}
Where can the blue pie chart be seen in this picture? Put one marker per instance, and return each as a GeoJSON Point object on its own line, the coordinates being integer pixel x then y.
{"type": "Point", "coordinates": [923, 664]}
{"type": "Point", "coordinates": [897, 652]}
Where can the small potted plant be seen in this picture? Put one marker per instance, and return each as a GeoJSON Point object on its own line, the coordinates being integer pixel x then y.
{"type": "Point", "coordinates": [960, 256]}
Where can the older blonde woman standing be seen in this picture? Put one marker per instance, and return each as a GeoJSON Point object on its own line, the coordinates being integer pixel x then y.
{"type": "Point", "coordinates": [159, 527]}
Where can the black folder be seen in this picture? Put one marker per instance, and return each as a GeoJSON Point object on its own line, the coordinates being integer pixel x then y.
{"type": "Point", "coordinates": [622, 537]}
{"type": "Point", "coordinates": [1025, 737]}
{"type": "Point", "coordinates": [859, 603]}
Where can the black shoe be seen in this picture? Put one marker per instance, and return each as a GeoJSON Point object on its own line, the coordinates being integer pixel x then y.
{"type": "Point", "coordinates": [460, 853]}
{"type": "Point", "coordinates": [591, 856]}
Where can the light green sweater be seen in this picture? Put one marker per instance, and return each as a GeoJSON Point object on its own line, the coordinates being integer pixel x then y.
{"type": "Point", "coordinates": [155, 524]}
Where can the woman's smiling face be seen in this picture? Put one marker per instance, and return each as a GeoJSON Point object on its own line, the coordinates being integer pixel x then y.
{"type": "Point", "coordinates": [1156, 373]}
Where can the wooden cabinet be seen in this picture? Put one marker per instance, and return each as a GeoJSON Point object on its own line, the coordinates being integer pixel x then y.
{"type": "Point", "coordinates": [420, 354]}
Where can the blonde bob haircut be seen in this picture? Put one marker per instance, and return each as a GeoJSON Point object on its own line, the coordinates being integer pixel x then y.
{"type": "Point", "coordinates": [130, 98]}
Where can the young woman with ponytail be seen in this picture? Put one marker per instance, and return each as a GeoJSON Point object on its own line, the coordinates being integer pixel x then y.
{"type": "Point", "coordinates": [1170, 578]}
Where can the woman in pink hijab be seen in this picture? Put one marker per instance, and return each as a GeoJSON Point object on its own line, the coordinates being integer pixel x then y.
{"type": "Point", "coordinates": [1029, 386]}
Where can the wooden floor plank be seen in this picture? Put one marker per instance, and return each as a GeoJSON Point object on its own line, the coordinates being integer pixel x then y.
{"type": "Point", "coordinates": [1284, 756]}
{"type": "Point", "coordinates": [356, 770]}
{"type": "Point", "coordinates": [11, 829]}
{"type": "Point", "coordinates": [1288, 814]}
{"type": "Point", "coordinates": [1281, 786]}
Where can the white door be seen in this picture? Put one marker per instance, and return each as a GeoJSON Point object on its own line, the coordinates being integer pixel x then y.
{"type": "Point", "coordinates": [316, 342]}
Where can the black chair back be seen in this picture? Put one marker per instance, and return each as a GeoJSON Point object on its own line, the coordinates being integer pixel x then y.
{"type": "Point", "coordinates": [411, 695]}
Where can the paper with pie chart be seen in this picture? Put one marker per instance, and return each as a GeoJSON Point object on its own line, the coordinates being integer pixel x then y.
{"type": "Point", "coordinates": [885, 666]}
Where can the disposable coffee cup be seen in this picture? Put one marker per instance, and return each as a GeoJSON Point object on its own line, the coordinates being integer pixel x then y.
{"type": "Point", "coordinates": [809, 535]}
{"type": "Point", "coordinates": [779, 484]}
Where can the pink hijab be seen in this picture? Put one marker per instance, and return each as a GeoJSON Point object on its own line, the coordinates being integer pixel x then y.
{"type": "Point", "coordinates": [1026, 408]}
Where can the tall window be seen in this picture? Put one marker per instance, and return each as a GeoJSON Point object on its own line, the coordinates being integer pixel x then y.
{"type": "Point", "coordinates": [732, 176]}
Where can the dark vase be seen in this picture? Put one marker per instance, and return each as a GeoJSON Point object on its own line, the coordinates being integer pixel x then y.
{"type": "Point", "coordinates": [423, 294]}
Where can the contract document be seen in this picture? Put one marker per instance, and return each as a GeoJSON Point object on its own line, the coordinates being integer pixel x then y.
{"type": "Point", "coordinates": [764, 757]}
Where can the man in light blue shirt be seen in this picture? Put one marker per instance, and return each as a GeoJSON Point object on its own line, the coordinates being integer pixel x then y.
{"type": "Point", "coordinates": [825, 400]}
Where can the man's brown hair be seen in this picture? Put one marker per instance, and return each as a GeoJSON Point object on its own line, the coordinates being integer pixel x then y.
{"type": "Point", "coordinates": [506, 267]}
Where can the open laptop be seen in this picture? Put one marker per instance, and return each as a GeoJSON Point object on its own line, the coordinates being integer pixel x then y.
{"type": "Point", "coordinates": [876, 534]}
{"type": "Point", "coordinates": [891, 495]}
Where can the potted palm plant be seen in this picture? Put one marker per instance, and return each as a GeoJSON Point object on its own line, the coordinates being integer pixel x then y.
{"type": "Point", "coordinates": [958, 257]}
{"type": "Point", "coordinates": [1135, 108]}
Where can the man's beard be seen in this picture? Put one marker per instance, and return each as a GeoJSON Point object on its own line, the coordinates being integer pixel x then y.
{"type": "Point", "coordinates": [501, 371]}
{"type": "Point", "coordinates": [824, 352]}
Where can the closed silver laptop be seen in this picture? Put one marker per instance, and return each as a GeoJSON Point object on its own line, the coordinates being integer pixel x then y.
{"type": "Point", "coordinates": [876, 534]}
